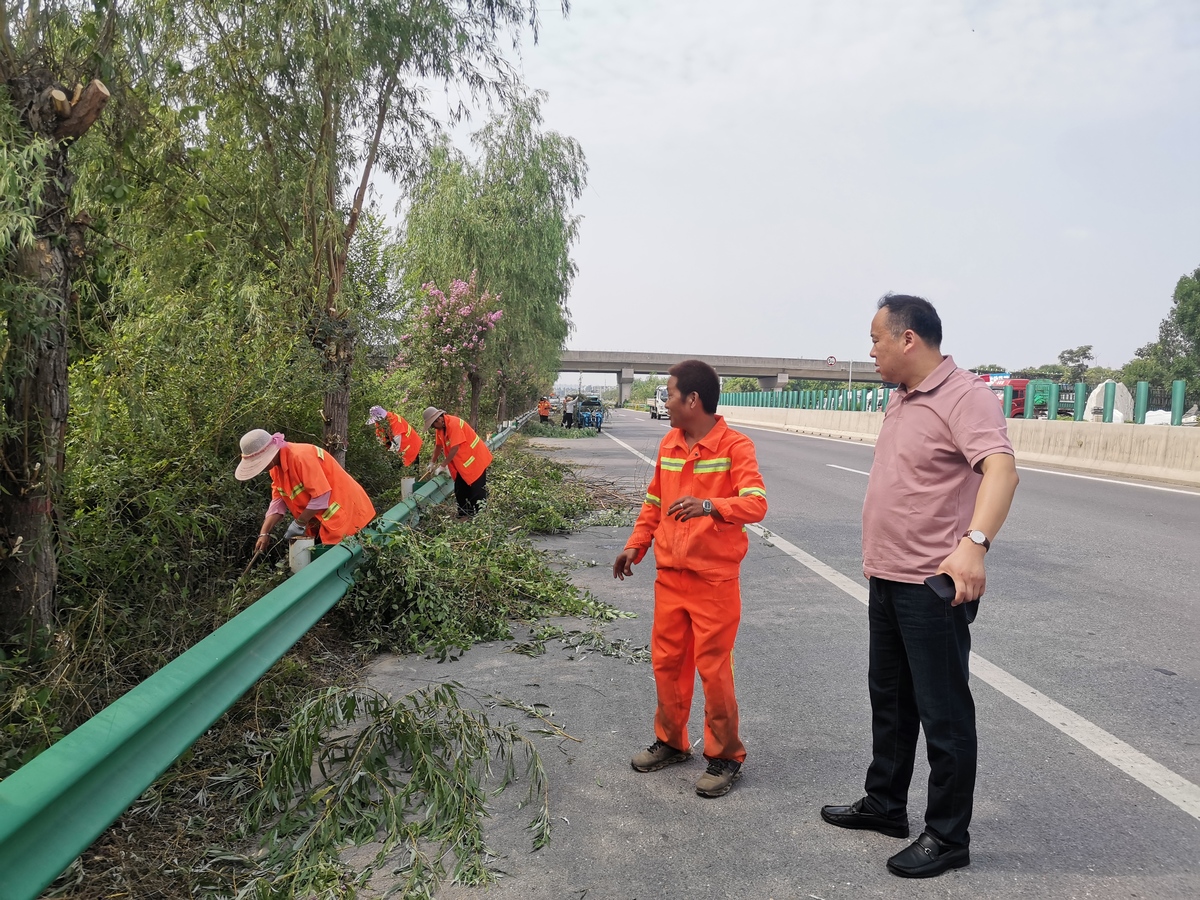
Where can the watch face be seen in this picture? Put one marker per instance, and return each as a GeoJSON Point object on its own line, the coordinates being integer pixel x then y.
{"type": "Point", "coordinates": [707, 505]}
{"type": "Point", "coordinates": [978, 537]}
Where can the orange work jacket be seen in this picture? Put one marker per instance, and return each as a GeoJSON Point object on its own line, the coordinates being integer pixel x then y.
{"type": "Point", "coordinates": [473, 457]}
{"type": "Point", "coordinates": [544, 408]}
{"type": "Point", "coordinates": [410, 439]}
{"type": "Point", "coordinates": [722, 468]}
{"type": "Point", "coordinates": [306, 471]}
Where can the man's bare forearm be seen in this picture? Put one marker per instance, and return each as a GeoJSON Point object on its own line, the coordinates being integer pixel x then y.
{"type": "Point", "coordinates": [995, 496]}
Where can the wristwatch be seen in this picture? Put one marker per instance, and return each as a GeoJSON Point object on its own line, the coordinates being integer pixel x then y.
{"type": "Point", "coordinates": [978, 537]}
{"type": "Point", "coordinates": [707, 507]}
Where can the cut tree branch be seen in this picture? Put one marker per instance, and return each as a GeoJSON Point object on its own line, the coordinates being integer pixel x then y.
{"type": "Point", "coordinates": [84, 113]}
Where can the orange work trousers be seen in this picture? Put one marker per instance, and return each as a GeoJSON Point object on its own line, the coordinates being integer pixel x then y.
{"type": "Point", "coordinates": [695, 625]}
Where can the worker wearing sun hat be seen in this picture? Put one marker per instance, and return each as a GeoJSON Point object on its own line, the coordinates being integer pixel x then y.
{"type": "Point", "coordinates": [466, 455]}
{"type": "Point", "coordinates": [396, 434]}
{"type": "Point", "coordinates": [307, 482]}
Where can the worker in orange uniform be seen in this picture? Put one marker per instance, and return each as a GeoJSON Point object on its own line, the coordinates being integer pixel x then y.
{"type": "Point", "coordinates": [544, 410]}
{"type": "Point", "coordinates": [706, 478]}
{"type": "Point", "coordinates": [396, 434]}
{"type": "Point", "coordinates": [465, 454]}
{"type": "Point", "coordinates": [307, 482]}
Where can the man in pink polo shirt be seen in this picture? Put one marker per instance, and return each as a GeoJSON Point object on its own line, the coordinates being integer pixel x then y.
{"type": "Point", "coordinates": [940, 488]}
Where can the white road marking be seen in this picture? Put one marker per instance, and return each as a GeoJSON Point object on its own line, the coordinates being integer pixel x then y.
{"type": "Point", "coordinates": [844, 469]}
{"type": "Point", "coordinates": [1136, 484]}
{"type": "Point", "coordinates": [1149, 487]}
{"type": "Point", "coordinates": [630, 449]}
{"type": "Point", "coordinates": [1167, 784]}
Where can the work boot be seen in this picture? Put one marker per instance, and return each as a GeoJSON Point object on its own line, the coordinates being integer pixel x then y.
{"type": "Point", "coordinates": [657, 756]}
{"type": "Point", "coordinates": [719, 778]}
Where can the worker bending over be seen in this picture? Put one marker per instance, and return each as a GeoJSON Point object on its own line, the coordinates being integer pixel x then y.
{"type": "Point", "coordinates": [396, 434]}
{"type": "Point", "coordinates": [309, 483]}
{"type": "Point", "coordinates": [465, 454]}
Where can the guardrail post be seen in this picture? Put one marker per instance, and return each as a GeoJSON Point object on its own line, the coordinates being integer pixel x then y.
{"type": "Point", "coordinates": [1110, 400]}
{"type": "Point", "coordinates": [1081, 393]}
{"type": "Point", "coordinates": [1052, 405]}
{"type": "Point", "coordinates": [1178, 398]}
{"type": "Point", "coordinates": [1008, 401]}
{"type": "Point", "coordinates": [1140, 402]}
{"type": "Point", "coordinates": [1028, 414]}
{"type": "Point", "coordinates": [887, 396]}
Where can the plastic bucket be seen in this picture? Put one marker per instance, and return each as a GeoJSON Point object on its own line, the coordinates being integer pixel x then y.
{"type": "Point", "coordinates": [300, 553]}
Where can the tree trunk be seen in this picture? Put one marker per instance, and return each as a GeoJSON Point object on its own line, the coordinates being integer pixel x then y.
{"type": "Point", "coordinates": [35, 362]}
{"type": "Point", "coordinates": [336, 340]}
{"type": "Point", "coordinates": [502, 410]}
{"type": "Point", "coordinates": [476, 389]}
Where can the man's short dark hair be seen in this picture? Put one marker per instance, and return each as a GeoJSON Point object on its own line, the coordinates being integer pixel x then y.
{"type": "Point", "coordinates": [698, 376]}
{"type": "Point", "coordinates": [916, 314]}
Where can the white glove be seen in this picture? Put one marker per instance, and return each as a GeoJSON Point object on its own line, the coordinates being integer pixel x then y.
{"type": "Point", "coordinates": [396, 444]}
{"type": "Point", "coordinates": [442, 470]}
{"type": "Point", "coordinates": [294, 530]}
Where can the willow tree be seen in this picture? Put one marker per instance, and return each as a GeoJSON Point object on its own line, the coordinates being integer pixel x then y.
{"type": "Point", "coordinates": [50, 100]}
{"type": "Point", "coordinates": [509, 219]}
{"type": "Point", "coordinates": [311, 101]}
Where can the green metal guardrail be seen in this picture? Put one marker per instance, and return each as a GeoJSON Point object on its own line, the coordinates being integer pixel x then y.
{"type": "Point", "coordinates": [55, 806]}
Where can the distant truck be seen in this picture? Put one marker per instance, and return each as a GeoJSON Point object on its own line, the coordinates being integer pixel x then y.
{"type": "Point", "coordinates": [658, 403]}
{"type": "Point", "coordinates": [1037, 389]}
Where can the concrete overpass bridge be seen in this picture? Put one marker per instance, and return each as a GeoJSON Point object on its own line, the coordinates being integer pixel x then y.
{"type": "Point", "coordinates": [772, 372]}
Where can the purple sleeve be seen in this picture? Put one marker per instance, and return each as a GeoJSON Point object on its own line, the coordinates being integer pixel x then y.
{"type": "Point", "coordinates": [978, 426]}
{"type": "Point", "coordinates": [277, 507]}
{"type": "Point", "coordinates": [321, 502]}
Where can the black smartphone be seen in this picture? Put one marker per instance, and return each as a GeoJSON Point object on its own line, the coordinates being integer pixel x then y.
{"type": "Point", "coordinates": [943, 585]}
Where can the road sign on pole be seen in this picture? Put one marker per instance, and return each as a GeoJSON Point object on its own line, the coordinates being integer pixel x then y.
{"type": "Point", "coordinates": [831, 361]}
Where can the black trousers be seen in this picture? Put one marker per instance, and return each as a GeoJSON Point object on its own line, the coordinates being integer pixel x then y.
{"type": "Point", "coordinates": [469, 496]}
{"type": "Point", "coordinates": [918, 680]}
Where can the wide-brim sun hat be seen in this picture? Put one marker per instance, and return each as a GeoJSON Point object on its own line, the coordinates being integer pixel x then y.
{"type": "Point", "coordinates": [258, 449]}
{"type": "Point", "coordinates": [376, 414]}
{"type": "Point", "coordinates": [431, 415]}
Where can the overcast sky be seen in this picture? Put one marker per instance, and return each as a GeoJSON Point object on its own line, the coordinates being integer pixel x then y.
{"type": "Point", "coordinates": [762, 171]}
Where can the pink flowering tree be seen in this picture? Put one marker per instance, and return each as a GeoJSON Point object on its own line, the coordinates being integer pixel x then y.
{"type": "Point", "coordinates": [444, 339]}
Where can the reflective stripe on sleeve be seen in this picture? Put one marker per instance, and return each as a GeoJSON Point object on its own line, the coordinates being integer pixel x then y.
{"type": "Point", "coordinates": [296, 490]}
{"type": "Point", "coordinates": [752, 490]}
{"type": "Point", "coordinates": [328, 514]}
{"type": "Point", "coordinates": [653, 501]}
{"type": "Point", "coordinates": [474, 442]}
{"type": "Point", "coordinates": [320, 453]}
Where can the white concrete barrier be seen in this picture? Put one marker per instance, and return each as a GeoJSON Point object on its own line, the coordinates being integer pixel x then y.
{"type": "Point", "coordinates": [1152, 452]}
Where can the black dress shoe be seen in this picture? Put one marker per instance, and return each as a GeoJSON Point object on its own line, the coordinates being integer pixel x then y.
{"type": "Point", "coordinates": [926, 857]}
{"type": "Point", "coordinates": [856, 815]}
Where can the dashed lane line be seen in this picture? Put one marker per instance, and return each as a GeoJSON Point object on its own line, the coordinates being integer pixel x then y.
{"type": "Point", "coordinates": [844, 469]}
{"type": "Point", "coordinates": [1167, 784]}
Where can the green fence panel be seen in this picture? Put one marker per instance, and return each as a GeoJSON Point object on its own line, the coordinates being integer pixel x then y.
{"type": "Point", "coordinates": [1178, 398]}
{"type": "Point", "coordinates": [1052, 403]}
{"type": "Point", "coordinates": [1008, 401]}
{"type": "Point", "coordinates": [1081, 395]}
{"type": "Point", "coordinates": [1110, 400]}
{"type": "Point", "coordinates": [57, 804]}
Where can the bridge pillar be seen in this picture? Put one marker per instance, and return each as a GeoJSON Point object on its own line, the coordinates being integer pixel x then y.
{"type": "Point", "coordinates": [624, 385]}
{"type": "Point", "coordinates": [776, 383]}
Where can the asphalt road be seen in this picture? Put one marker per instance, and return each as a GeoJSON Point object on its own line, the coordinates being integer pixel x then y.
{"type": "Point", "coordinates": [1087, 687]}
